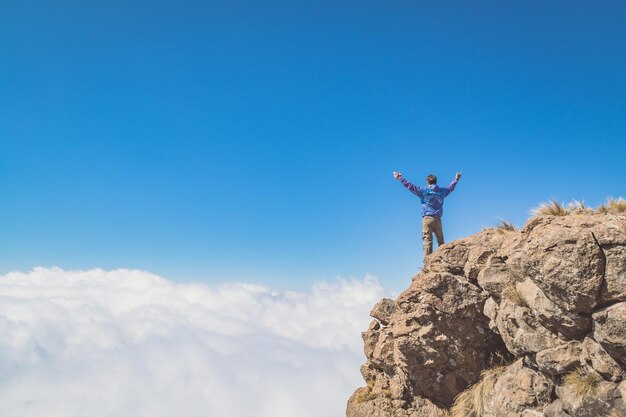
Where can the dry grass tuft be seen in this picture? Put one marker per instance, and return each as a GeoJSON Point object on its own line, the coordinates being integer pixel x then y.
{"type": "Point", "coordinates": [582, 381]}
{"type": "Point", "coordinates": [551, 208]}
{"type": "Point", "coordinates": [444, 413]}
{"type": "Point", "coordinates": [613, 205]}
{"type": "Point", "coordinates": [364, 394]}
{"type": "Point", "coordinates": [511, 293]}
{"type": "Point", "coordinates": [578, 207]}
{"type": "Point", "coordinates": [471, 402]}
{"type": "Point", "coordinates": [554, 208]}
{"type": "Point", "coordinates": [505, 226]}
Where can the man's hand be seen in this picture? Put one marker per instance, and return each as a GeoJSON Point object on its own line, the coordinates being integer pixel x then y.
{"type": "Point", "coordinates": [397, 175]}
{"type": "Point", "coordinates": [458, 176]}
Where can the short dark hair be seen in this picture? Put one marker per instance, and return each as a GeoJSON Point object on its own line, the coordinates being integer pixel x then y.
{"type": "Point", "coordinates": [431, 179]}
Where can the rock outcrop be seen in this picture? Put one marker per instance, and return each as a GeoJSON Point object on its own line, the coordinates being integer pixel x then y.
{"type": "Point", "coordinates": [506, 323]}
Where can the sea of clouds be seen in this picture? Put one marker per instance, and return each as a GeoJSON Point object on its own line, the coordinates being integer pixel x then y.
{"type": "Point", "coordinates": [129, 343]}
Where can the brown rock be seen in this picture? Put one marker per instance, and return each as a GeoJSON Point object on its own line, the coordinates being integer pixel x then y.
{"type": "Point", "coordinates": [609, 329]}
{"type": "Point", "coordinates": [532, 413]}
{"type": "Point", "coordinates": [364, 404]}
{"type": "Point", "coordinates": [490, 308]}
{"type": "Point", "coordinates": [521, 331]}
{"type": "Point", "coordinates": [383, 355]}
{"type": "Point", "coordinates": [553, 294]}
{"type": "Point", "coordinates": [370, 338]}
{"type": "Point", "coordinates": [482, 247]}
{"type": "Point", "coordinates": [449, 258]}
{"type": "Point", "coordinates": [621, 389]}
{"type": "Point", "coordinates": [441, 340]}
{"type": "Point", "coordinates": [614, 288]}
{"type": "Point", "coordinates": [555, 409]}
{"type": "Point", "coordinates": [495, 277]}
{"type": "Point", "coordinates": [600, 360]}
{"type": "Point", "coordinates": [383, 310]}
{"type": "Point", "coordinates": [596, 402]}
{"type": "Point", "coordinates": [513, 250]}
{"type": "Point", "coordinates": [561, 359]}
{"type": "Point", "coordinates": [477, 259]}
{"type": "Point", "coordinates": [610, 232]}
{"type": "Point", "coordinates": [564, 259]}
{"type": "Point", "coordinates": [519, 390]}
{"type": "Point", "coordinates": [549, 314]}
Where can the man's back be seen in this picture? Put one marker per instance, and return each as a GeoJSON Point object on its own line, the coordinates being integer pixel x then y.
{"type": "Point", "coordinates": [432, 200]}
{"type": "Point", "coordinates": [431, 196]}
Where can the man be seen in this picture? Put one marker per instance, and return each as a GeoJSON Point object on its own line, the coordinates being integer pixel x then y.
{"type": "Point", "coordinates": [432, 207]}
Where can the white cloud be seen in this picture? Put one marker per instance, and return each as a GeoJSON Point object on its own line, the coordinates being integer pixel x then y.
{"type": "Point", "coordinates": [129, 343]}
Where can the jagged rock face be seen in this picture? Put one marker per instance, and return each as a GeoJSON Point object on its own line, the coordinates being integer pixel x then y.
{"type": "Point", "coordinates": [552, 295]}
{"type": "Point", "coordinates": [566, 262]}
{"type": "Point", "coordinates": [598, 403]}
{"type": "Point", "coordinates": [384, 407]}
{"type": "Point", "coordinates": [439, 337]}
{"type": "Point", "coordinates": [517, 390]}
{"type": "Point", "coordinates": [609, 329]}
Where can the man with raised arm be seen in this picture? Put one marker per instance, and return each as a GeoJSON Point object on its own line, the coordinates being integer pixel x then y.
{"type": "Point", "coordinates": [432, 197]}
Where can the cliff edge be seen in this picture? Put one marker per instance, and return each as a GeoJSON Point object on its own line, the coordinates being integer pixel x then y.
{"type": "Point", "coordinates": [506, 323]}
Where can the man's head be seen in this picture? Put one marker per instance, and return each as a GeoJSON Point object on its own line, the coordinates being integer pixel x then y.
{"type": "Point", "coordinates": [431, 179]}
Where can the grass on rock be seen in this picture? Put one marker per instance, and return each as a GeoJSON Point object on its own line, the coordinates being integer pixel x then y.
{"type": "Point", "coordinates": [582, 381]}
{"type": "Point", "coordinates": [556, 208]}
{"type": "Point", "coordinates": [471, 402]}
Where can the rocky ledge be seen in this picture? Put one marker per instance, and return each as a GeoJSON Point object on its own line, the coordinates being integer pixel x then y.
{"type": "Point", "coordinates": [506, 323]}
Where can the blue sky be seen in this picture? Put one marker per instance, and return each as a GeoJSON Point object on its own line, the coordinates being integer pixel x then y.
{"type": "Point", "coordinates": [254, 141]}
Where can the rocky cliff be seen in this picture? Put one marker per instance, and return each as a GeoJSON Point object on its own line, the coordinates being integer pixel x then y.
{"type": "Point", "coordinates": [506, 323]}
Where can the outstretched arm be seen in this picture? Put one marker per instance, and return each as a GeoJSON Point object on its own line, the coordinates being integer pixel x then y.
{"type": "Point", "coordinates": [450, 187]}
{"type": "Point", "coordinates": [412, 188]}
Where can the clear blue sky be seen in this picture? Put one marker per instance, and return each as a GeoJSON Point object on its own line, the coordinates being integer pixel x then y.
{"type": "Point", "coordinates": [254, 141]}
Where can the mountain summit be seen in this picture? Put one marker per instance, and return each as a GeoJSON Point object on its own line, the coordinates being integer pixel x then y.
{"type": "Point", "coordinates": [507, 323]}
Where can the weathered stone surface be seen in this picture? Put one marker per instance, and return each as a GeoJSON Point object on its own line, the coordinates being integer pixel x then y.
{"type": "Point", "coordinates": [383, 355]}
{"type": "Point", "coordinates": [619, 403]}
{"type": "Point", "coordinates": [619, 408]}
{"type": "Point", "coordinates": [561, 359]}
{"type": "Point", "coordinates": [532, 413]}
{"type": "Point", "coordinates": [370, 338]}
{"type": "Point", "coordinates": [467, 256]}
{"type": "Point", "coordinates": [621, 389]}
{"type": "Point", "coordinates": [614, 288]}
{"type": "Point", "coordinates": [477, 258]}
{"type": "Point", "coordinates": [449, 258]}
{"type": "Point", "coordinates": [513, 249]}
{"type": "Point", "coordinates": [555, 409]}
{"type": "Point", "coordinates": [597, 402]}
{"type": "Point", "coordinates": [549, 314]}
{"type": "Point", "coordinates": [360, 405]}
{"type": "Point", "coordinates": [381, 406]}
{"type": "Point", "coordinates": [521, 331]}
{"type": "Point", "coordinates": [491, 310]}
{"type": "Point", "coordinates": [441, 338]}
{"type": "Point", "coordinates": [609, 229]}
{"type": "Point", "coordinates": [518, 391]}
{"type": "Point", "coordinates": [600, 360]}
{"type": "Point", "coordinates": [369, 372]}
{"type": "Point", "coordinates": [495, 277]}
{"type": "Point", "coordinates": [609, 329]}
{"type": "Point", "coordinates": [383, 310]}
{"type": "Point", "coordinates": [566, 262]}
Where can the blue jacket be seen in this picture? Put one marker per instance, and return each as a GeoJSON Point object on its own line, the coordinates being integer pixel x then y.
{"type": "Point", "coordinates": [432, 196]}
